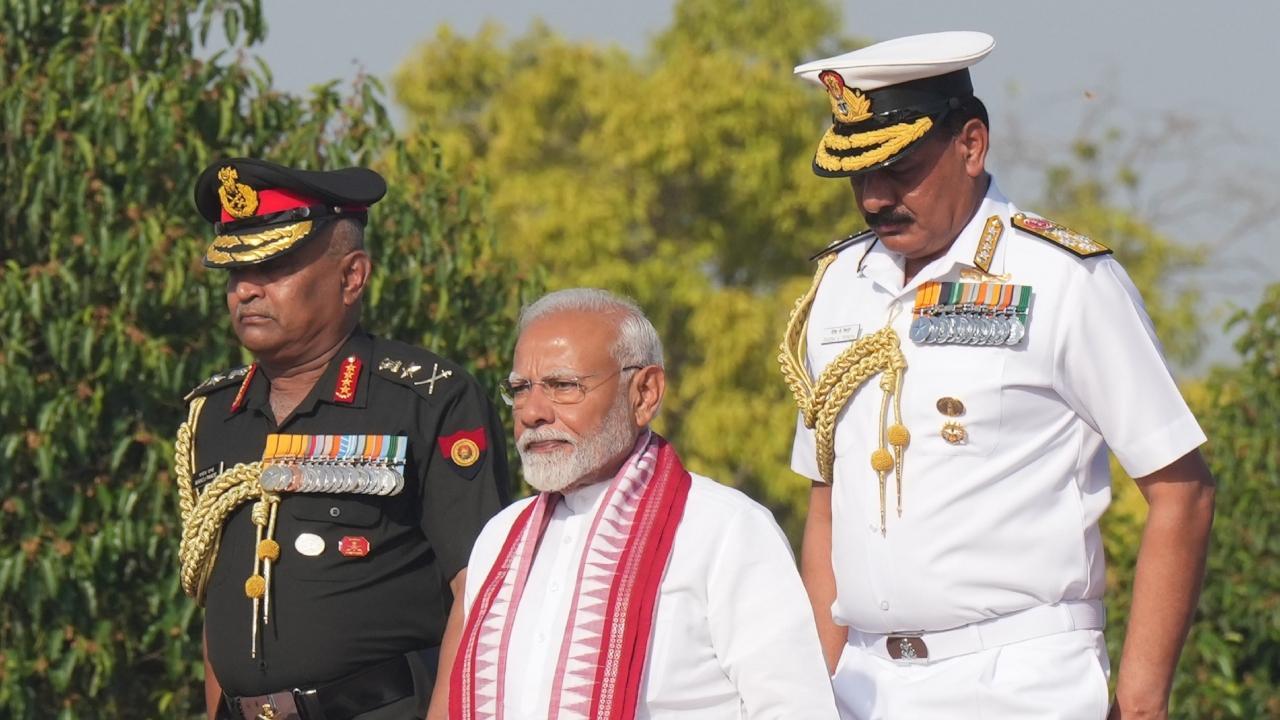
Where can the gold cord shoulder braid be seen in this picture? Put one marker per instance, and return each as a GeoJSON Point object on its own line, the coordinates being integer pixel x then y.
{"type": "Point", "coordinates": [820, 403]}
{"type": "Point", "coordinates": [204, 514]}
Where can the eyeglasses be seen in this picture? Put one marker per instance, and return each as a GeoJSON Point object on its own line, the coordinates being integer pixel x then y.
{"type": "Point", "coordinates": [559, 390]}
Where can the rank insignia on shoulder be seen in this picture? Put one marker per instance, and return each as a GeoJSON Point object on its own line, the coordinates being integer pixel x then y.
{"type": "Point", "coordinates": [1065, 238]}
{"type": "Point", "coordinates": [464, 447]}
{"type": "Point", "coordinates": [218, 380]}
{"type": "Point", "coordinates": [344, 391]}
{"type": "Point", "coordinates": [987, 244]}
{"type": "Point", "coordinates": [407, 372]}
{"type": "Point", "coordinates": [244, 388]}
{"type": "Point", "coordinates": [841, 244]}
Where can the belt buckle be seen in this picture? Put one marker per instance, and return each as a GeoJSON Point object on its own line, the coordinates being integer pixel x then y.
{"type": "Point", "coordinates": [907, 646]}
{"type": "Point", "coordinates": [275, 706]}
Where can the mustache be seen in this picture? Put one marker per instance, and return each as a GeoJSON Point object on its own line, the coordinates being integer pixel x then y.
{"type": "Point", "coordinates": [244, 310]}
{"type": "Point", "coordinates": [543, 434]}
{"type": "Point", "coordinates": [890, 216]}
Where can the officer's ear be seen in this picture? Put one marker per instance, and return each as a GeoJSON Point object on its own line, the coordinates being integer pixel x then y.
{"type": "Point", "coordinates": [647, 388]}
{"type": "Point", "coordinates": [973, 141]}
{"type": "Point", "coordinates": [355, 268]}
{"type": "Point", "coordinates": [346, 244]}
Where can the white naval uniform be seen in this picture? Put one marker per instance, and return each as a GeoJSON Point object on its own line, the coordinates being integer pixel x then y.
{"type": "Point", "coordinates": [1008, 521]}
{"type": "Point", "coordinates": [733, 634]}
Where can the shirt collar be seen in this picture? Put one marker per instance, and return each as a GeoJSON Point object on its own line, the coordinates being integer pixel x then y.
{"type": "Point", "coordinates": [359, 345]}
{"type": "Point", "coordinates": [886, 268]}
{"type": "Point", "coordinates": [585, 499]}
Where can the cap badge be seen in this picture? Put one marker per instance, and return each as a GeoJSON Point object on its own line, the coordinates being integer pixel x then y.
{"type": "Point", "coordinates": [849, 106]}
{"type": "Point", "coordinates": [239, 200]}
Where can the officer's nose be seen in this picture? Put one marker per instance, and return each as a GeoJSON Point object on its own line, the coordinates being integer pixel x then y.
{"type": "Point", "coordinates": [244, 284]}
{"type": "Point", "coordinates": [535, 409]}
{"type": "Point", "coordinates": [874, 191]}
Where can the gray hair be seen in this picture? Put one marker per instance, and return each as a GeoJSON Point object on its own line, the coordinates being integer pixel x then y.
{"type": "Point", "coordinates": [638, 342]}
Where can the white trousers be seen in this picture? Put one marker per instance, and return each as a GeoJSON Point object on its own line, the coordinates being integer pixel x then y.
{"type": "Point", "coordinates": [1055, 677]}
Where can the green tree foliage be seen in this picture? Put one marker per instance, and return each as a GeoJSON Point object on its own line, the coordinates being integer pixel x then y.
{"type": "Point", "coordinates": [107, 317]}
{"type": "Point", "coordinates": [680, 178]}
{"type": "Point", "coordinates": [1232, 664]}
{"type": "Point", "coordinates": [1087, 193]}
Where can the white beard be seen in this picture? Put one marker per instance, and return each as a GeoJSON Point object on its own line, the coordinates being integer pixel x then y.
{"type": "Point", "coordinates": [555, 471]}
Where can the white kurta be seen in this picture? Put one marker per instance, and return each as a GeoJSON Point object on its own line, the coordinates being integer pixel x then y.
{"type": "Point", "coordinates": [733, 635]}
{"type": "Point", "coordinates": [1008, 520]}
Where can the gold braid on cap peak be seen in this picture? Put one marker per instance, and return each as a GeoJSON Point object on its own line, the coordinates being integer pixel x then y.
{"type": "Point", "coordinates": [257, 246]}
{"type": "Point", "coordinates": [820, 403]}
{"type": "Point", "coordinates": [884, 143]}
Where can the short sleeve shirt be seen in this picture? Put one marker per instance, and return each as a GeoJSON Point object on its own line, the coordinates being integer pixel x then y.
{"type": "Point", "coordinates": [1007, 519]}
{"type": "Point", "coordinates": [332, 612]}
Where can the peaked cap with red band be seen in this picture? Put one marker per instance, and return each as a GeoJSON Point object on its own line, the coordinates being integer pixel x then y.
{"type": "Point", "coordinates": [261, 210]}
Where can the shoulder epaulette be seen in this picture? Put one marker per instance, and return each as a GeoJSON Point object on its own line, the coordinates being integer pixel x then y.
{"type": "Point", "coordinates": [218, 380]}
{"type": "Point", "coordinates": [1065, 238]}
{"type": "Point", "coordinates": [423, 371]}
{"type": "Point", "coordinates": [842, 243]}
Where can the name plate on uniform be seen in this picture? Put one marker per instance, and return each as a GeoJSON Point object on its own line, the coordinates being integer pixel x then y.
{"type": "Point", "coordinates": [960, 313]}
{"type": "Point", "coordinates": [840, 334]}
{"type": "Point", "coordinates": [361, 464]}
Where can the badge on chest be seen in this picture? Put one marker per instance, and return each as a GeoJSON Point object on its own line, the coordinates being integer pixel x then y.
{"type": "Point", "coordinates": [363, 464]}
{"type": "Point", "coordinates": [837, 334]}
{"type": "Point", "coordinates": [960, 313]}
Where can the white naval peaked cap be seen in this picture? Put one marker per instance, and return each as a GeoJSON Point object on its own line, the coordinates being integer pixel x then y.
{"type": "Point", "coordinates": [887, 96]}
{"type": "Point", "coordinates": [903, 59]}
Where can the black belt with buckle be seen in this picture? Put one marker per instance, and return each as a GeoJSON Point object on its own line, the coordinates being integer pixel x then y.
{"type": "Point", "coordinates": [906, 647]}
{"type": "Point", "coordinates": [342, 699]}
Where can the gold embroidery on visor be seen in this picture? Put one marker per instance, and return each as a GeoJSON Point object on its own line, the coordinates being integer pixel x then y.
{"type": "Point", "coordinates": [884, 144]}
{"type": "Point", "coordinates": [255, 247]}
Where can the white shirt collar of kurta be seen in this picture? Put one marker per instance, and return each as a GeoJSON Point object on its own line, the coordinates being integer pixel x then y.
{"type": "Point", "coordinates": [584, 499]}
{"type": "Point", "coordinates": [885, 267]}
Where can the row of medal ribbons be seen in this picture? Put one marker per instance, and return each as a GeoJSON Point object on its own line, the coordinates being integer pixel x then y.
{"type": "Point", "coordinates": [970, 313]}
{"type": "Point", "coordinates": [361, 464]}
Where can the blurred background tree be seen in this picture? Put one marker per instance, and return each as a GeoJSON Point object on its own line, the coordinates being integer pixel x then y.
{"type": "Point", "coordinates": [107, 317]}
{"type": "Point", "coordinates": [1231, 667]}
{"type": "Point", "coordinates": [679, 176]}
{"type": "Point", "coordinates": [682, 178]}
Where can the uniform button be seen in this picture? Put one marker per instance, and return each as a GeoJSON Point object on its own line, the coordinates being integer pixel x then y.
{"type": "Point", "coordinates": [884, 605]}
{"type": "Point", "coordinates": [334, 512]}
{"type": "Point", "coordinates": [555, 587]}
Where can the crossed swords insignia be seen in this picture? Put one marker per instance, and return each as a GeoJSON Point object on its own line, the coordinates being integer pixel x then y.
{"type": "Point", "coordinates": [436, 374]}
{"type": "Point", "coordinates": [408, 370]}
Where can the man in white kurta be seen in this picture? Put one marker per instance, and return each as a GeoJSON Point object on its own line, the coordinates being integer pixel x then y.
{"type": "Point", "coordinates": [732, 634]}
{"type": "Point", "coordinates": [952, 551]}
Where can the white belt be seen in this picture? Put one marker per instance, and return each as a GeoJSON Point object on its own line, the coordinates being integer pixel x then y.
{"type": "Point", "coordinates": [924, 647]}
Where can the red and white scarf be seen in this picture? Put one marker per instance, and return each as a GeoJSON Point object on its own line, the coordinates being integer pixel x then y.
{"type": "Point", "coordinates": [602, 658]}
